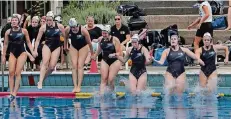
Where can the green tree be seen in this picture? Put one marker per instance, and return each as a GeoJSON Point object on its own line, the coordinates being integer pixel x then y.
{"type": "Point", "coordinates": [102, 11]}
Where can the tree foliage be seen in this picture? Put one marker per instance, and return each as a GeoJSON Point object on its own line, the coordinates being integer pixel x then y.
{"type": "Point", "coordinates": [102, 11]}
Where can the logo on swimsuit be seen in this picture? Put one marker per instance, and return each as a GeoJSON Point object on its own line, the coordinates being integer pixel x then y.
{"type": "Point", "coordinates": [138, 55]}
{"type": "Point", "coordinates": [109, 45]}
{"type": "Point", "coordinates": [19, 34]}
{"type": "Point", "coordinates": [79, 36]}
{"type": "Point", "coordinates": [211, 54]}
{"type": "Point", "coordinates": [48, 30]}
{"type": "Point", "coordinates": [122, 32]}
{"type": "Point", "coordinates": [56, 30]}
{"type": "Point", "coordinates": [180, 54]}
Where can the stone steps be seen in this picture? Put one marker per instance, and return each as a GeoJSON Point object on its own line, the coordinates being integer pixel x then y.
{"type": "Point", "coordinates": [190, 34]}
{"type": "Point", "coordinates": [170, 3]}
{"type": "Point", "coordinates": [163, 21]}
{"type": "Point", "coordinates": [169, 7]}
{"type": "Point", "coordinates": [173, 10]}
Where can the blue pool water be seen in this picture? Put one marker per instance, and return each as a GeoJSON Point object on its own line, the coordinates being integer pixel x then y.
{"type": "Point", "coordinates": [109, 107]}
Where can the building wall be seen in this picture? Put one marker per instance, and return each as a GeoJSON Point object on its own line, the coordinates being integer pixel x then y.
{"type": "Point", "coordinates": [7, 8]}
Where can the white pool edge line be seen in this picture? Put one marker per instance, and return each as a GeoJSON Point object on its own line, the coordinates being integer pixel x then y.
{"type": "Point", "coordinates": [121, 72]}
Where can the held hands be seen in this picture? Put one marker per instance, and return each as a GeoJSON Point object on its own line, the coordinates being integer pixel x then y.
{"type": "Point", "coordinates": [95, 40]}
{"type": "Point", "coordinates": [201, 62]}
{"type": "Point", "coordinates": [35, 54]}
{"type": "Point", "coordinates": [93, 57]}
{"type": "Point", "coordinates": [65, 48]}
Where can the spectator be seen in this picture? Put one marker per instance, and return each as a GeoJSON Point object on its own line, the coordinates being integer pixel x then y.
{"type": "Point", "coordinates": [95, 32]}
{"type": "Point", "coordinates": [120, 31]}
{"type": "Point", "coordinates": [202, 23]}
{"type": "Point", "coordinates": [229, 16]}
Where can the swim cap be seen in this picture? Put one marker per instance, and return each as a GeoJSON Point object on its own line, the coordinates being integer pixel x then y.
{"type": "Point", "coordinates": [58, 18]}
{"type": "Point", "coordinates": [106, 28]}
{"type": "Point", "coordinates": [73, 22]}
{"type": "Point", "coordinates": [135, 38]}
{"type": "Point", "coordinates": [208, 35]}
{"type": "Point", "coordinates": [50, 14]}
{"type": "Point", "coordinates": [36, 18]}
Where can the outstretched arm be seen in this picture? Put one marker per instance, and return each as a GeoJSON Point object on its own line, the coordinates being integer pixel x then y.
{"type": "Point", "coordinates": [163, 57]}
{"type": "Point", "coordinates": [193, 56]}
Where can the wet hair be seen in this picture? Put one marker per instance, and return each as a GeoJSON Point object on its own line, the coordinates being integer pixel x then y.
{"type": "Point", "coordinates": [14, 16]}
{"type": "Point", "coordinates": [173, 32]}
{"type": "Point", "coordinates": [43, 17]}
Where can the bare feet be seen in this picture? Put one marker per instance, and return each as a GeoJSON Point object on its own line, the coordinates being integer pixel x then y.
{"type": "Point", "coordinates": [74, 90]}
{"type": "Point", "coordinates": [39, 86]}
{"type": "Point", "coordinates": [228, 28]}
{"type": "Point", "coordinates": [78, 89]}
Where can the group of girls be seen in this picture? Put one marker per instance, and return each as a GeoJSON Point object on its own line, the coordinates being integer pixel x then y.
{"type": "Point", "coordinates": [47, 47]}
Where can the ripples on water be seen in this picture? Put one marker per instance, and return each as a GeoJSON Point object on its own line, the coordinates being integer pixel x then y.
{"type": "Point", "coordinates": [110, 106]}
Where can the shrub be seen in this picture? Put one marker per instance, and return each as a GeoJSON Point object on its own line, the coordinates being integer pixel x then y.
{"type": "Point", "coordinates": [102, 11]}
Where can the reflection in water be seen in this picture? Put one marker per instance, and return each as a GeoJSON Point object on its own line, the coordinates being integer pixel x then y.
{"type": "Point", "coordinates": [175, 110]}
{"type": "Point", "coordinates": [107, 107]}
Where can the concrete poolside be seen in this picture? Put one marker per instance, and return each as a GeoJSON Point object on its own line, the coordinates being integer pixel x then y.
{"type": "Point", "coordinates": [221, 69]}
{"type": "Point", "coordinates": [61, 80]}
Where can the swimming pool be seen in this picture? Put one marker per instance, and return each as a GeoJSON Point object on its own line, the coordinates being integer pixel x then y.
{"type": "Point", "coordinates": [109, 107]}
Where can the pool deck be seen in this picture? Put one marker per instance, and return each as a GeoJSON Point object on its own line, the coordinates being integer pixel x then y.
{"type": "Point", "coordinates": [223, 70]}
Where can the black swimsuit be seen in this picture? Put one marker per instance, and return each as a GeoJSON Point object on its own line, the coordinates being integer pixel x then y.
{"type": "Point", "coordinates": [77, 39]}
{"type": "Point", "coordinates": [209, 58]}
{"type": "Point", "coordinates": [138, 63]}
{"type": "Point", "coordinates": [16, 41]}
{"type": "Point", "coordinates": [176, 63]}
{"type": "Point", "coordinates": [108, 48]}
{"type": "Point", "coordinates": [52, 37]}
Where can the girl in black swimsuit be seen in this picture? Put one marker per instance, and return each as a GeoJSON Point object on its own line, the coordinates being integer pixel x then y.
{"type": "Point", "coordinates": [16, 37]}
{"type": "Point", "coordinates": [175, 73]}
{"type": "Point", "coordinates": [51, 48]}
{"type": "Point", "coordinates": [80, 40]}
{"type": "Point", "coordinates": [138, 73]}
{"type": "Point", "coordinates": [110, 66]}
{"type": "Point", "coordinates": [207, 53]}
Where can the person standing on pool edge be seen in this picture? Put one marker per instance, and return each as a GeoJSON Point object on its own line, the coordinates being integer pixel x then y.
{"type": "Point", "coordinates": [138, 73]}
{"type": "Point", "coordinates": [204, 22]}
{"type": "Point", "coordinates": [109, 66]}
{"type": "Point", "coordinates": [122, 32]}
{"type": "Point", "coordinates": [16, 37]}
{"type": "Point", "coordinates": [51, 48]}
{"type": "Point", "coordinates": [207, 53]}
{"type": "Point", "coordinates": [80, 40]}
{"type": "Point", "coordinates": [175, 74]}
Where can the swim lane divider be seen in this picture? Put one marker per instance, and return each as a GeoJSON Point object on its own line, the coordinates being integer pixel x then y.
{"type": "Point", "coordinates": [82, 95]}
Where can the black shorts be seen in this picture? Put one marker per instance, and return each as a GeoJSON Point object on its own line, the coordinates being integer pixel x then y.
{"type": "Point", "coordinates": [205, 27]}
